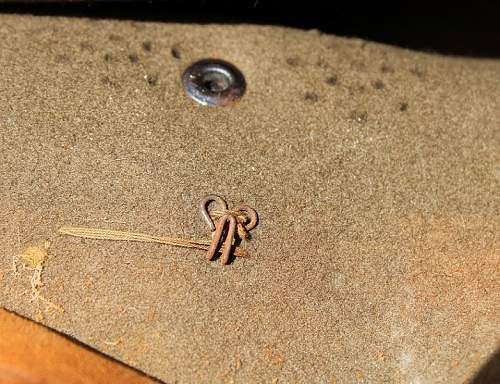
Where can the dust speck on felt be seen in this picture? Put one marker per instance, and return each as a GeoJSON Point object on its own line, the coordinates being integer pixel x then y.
{"type": "Point", "coordinates": [62, 59]}
{"type": "Point", "coordinates": [332, 80]}
{"type": "Point", "coordinates": [385, 68]}
{"type": "Point", "coordinates": [311, 97]}
{"type": "Point", "coordinates": [108, 57]}
{"type": "Point", "coordinates": [378, 84]}
{"type": "Point", "coordinates": [359, 116]}
{"type": "Point", "coordinates": [293, 61]}
{"type": "Point", "coordinates": [147, 46]}
{"type": "Point", "coordinates": [403, 107]}
{"type": "Point", "coordinates": [115, 37]}
{"type": "Point", "coordinates": [152, 80]}
{"type": "Point", "coordinates": [175, 53]}
{"type": "Point", "coordinates": [133, 58]}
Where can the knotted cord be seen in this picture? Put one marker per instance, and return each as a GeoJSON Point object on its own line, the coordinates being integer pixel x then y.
{"type": "Point", "coordinates": [245, 219]}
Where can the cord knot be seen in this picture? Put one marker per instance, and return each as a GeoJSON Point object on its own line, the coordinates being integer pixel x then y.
{"type": "Point", "coordinates": [241, 219]}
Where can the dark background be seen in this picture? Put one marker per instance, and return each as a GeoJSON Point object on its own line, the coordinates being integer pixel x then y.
{"type": "Point", "coordinates": [469, 28]}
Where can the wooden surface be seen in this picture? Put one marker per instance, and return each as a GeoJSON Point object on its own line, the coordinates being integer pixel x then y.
{"type": "Point", "coordinates": [32, 354]}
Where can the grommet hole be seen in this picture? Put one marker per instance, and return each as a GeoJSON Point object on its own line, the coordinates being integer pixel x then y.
{"type": "Point", "coordinates": [216, 81]}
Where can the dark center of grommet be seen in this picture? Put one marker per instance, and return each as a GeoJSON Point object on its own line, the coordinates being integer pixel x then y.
{"type": "Point", "coordinates": [214, 82]}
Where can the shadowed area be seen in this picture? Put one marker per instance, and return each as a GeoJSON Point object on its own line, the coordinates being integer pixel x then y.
{"type": "Point", "coordinates": [490, 372]}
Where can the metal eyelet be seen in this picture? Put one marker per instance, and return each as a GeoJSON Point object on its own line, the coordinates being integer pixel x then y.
{"type": "Point", "coordinates": [214, 83]}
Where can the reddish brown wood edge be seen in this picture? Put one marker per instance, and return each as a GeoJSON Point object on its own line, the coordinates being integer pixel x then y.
{"type": "Point", "coordinates": [33, 354]}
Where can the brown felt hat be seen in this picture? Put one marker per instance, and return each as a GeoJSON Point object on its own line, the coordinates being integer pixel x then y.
{"type": "Point", "coordinates": [374, 171]}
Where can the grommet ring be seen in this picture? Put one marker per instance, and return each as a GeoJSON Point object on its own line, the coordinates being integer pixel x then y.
{"type": "Point", "coordinates": [213, 82]}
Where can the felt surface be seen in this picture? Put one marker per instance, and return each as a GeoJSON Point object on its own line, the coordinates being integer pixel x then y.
{"type": "Point", "coordinates": [374, 171]}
